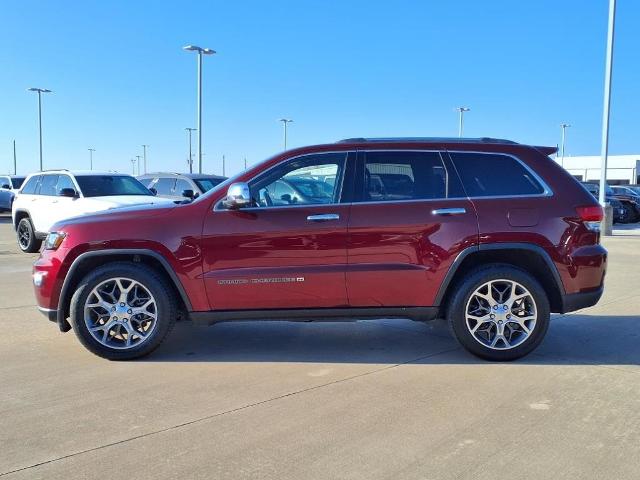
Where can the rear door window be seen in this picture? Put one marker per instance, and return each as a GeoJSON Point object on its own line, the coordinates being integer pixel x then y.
{"type": "Point", "coordinates": [495, 175]}
{"type": "Point", "coordinates": [164, 186]}
{"type": "Point", "coordinates": [390, 176]}
{"type": "Point", "coordinates": [31, 187]}
{"type": "Point", "coordinates": [48, 185]}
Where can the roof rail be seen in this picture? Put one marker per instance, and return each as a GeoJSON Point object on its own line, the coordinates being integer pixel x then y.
{"type": "Point", "coordinates": [427, 140]}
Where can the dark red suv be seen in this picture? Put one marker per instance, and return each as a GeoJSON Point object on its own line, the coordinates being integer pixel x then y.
{"type": "Point", "coordinates": [491, 234]}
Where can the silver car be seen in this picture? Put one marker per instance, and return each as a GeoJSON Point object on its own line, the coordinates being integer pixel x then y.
{"type": "Point", "coordinates": [180, 186]}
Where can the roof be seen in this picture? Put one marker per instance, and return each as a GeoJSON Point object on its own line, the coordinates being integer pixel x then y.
{"type": "Point", "coordinates": [80, 173]}
{"type": "Point", "coordinates": [427, 140]}
{"type": "Point", "coordinates": [194, 176]}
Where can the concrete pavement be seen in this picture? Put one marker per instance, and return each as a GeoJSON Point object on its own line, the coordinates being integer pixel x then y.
{"type": "Point", "coordinates": [378, 399]}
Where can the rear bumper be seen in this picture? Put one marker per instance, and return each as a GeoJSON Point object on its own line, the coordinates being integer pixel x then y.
{"type": "Point", "coordinates": [577, 301]}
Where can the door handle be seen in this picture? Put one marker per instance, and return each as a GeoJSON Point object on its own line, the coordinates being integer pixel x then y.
{"type": "Point", "coordinates": [323, 217]}
{"type": "Point", "coordinates": [449, 211]}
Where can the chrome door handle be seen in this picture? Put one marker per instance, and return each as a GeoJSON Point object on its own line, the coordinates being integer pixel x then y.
{"type": "Point", "coordinates": [448, 211]}
{"type": "Point", "coordinates": [323, 217]}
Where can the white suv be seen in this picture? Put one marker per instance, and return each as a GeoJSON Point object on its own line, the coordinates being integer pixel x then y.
{"type": "Point", "coordinates": [48, 197]}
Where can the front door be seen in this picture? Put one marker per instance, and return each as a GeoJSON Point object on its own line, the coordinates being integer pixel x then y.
{"type": "Point", "coordinates": [288, 250]}
{"type": "Point", "coordinates": [409, 221]}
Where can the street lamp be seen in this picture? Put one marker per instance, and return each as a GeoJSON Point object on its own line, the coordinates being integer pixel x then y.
{"type": "Point", "coordinates": [144, 153]}
{"type": "Point", "coordinates": [91, 150]}
{"type": "Point", "coordinates": [461, 110]}
{"type": "Point", "coordinates": [133, 165]}
{"type": "Point", "coordinates": [189, 130]}
{"type": "Point", "coordinates": [40, 92]}
{"type": "Point", "coordinates": [284, 124]}
{"type": "Point", "coordinates": [138, 157]}
{"type": "Point", "coordinates": [201, 51]}
{"type": "Point", "coordinates": [564, 127]}
{"type": "Point", "coordinates": [607, 105]}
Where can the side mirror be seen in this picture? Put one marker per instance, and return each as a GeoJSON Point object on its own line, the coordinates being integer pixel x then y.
{"type": "Point", "coordinates": [5, 186]}
{"type": "Point", "coordinates": [286, 198]}
{"type": "Point", "coordinates": [153, 191]}
{"type": "Point", "coordinates": [188, 194]}
{"type": "Point", "coordinates": [238, 196]}
{"type": "Point", "coordinates": [68, 192]}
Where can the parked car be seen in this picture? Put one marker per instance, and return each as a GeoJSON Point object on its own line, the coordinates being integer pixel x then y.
{"type": "Point", "coordinates": [48, 197]}
{"type": "Point", "coordinates": [178, 186]}
{"type": "Point", "coordinates": [9, 185]}
{"type": "Point", "coordinates": [491, 234]}
{"type": "Point", "coordinates": [626, 194]}
{"type": "Point", "coordinates": [625, 209]}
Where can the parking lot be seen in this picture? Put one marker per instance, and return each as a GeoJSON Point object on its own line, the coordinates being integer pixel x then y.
{"type": "Point", "coordinates": [377, 399]}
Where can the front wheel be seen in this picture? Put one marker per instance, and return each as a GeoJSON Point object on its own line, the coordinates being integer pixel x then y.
{"type": "Point", "coordinates": [123, 311]}
{"type": "Point", "coordinates": [27, 240]}
{"type": "Point", "coordinates": [499, 313]}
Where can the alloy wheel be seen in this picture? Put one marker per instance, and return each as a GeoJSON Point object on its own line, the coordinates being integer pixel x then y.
{"type": "Point", "coordinates": [24, 235]}
{"type": "Point", "coordinates": [120, 313]}
{"type": "Point", "coordinates": [501, 314]}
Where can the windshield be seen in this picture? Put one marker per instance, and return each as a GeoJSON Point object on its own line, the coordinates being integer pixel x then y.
{"type": "Point", "coordinates": [17, 182]}
{"type": "Point", "coordinates": [110, 185]}
{"type": "Point", "coordinates": [206, 184]}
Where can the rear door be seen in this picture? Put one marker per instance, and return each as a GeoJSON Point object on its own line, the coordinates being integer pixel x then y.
{"type": "Point", "coordinates": [409, 221]}
{"type": "Point", "coordinates": [43, 208]}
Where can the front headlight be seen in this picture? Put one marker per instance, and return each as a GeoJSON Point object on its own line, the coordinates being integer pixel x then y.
{"type": "Point", "coordinates": [53, 240]}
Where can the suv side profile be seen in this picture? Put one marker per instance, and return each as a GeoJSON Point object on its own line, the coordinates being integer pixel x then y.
{"type": "Point", "coordinates": [178, 186]}
{"type": "Point", "coordinates": [51, 196]}
{"type": "Point", "coordinates": [491, 234]}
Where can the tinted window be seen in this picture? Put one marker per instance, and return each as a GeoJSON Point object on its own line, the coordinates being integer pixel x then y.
{"type": "Point", "coordinates": [109, 185]}
{"type": "Point", "coordinates": [300, 181]}
{"type": "Point", "coordinates": [64, 181]}
{"type": "Point", "coordinates": [182, 185]}
{"type": "Point", "coordinates": [17, 182]}
{"type": "Point", "coordinates": [488, 175]}
{"type": "Point", "coordinates": [394, 176]}
{"type": "Point", "coordinates": [48, 185]}
{"type": "Point", "coordinates": [207, 184]}
{"type": "Point", "coordinates": [31, 186]}
{"type": "Point", "coordinates": [164, 186]}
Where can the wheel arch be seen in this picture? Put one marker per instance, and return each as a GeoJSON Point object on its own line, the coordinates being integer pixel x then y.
{"type": "Point", "coordinates": [19, 215]}
{"type": "Point", "coordinates": [88, 260]}
{"type": "Point", "coordinates": [535, 261]}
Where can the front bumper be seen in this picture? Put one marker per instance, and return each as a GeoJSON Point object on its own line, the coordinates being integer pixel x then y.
{"type": "Point", "coordinates": [52, 315]}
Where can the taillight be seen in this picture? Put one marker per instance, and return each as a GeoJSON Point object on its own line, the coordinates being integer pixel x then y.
{"type": "Point", "coordinates": [590, 213]}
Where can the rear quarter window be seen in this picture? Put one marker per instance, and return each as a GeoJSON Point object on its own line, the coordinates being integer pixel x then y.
{"type": "Point", "coordinates": [494, 175]}
{"type": "Point", "coordinates": [31, 185]}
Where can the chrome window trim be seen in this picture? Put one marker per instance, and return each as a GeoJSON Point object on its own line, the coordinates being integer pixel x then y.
{"type": "Point", "coordinates": [547, 190]}
{"type": "Point", "coordinates": [218, 205]}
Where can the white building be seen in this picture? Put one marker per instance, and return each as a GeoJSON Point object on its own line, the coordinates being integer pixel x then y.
{"type": "Point", "coordinates": [621, 169]}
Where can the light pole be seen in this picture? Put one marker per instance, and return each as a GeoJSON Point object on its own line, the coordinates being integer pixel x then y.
{"type": "Point", "coordinates": [15, 161]}
{"type": "Point", "coordinates": [133, 165]}
{"type": "Point", "coordinates": [223, 165]}
{"type": "Point", "coordinates": [189, 130]}
{"type": "Point", "coordinates": [144, 153]}
{"type": "Point", "coordinates": [201, 51]}
{"type": "Point", "coordinates": [284, 125]}
{"type": "Point", "coordinates": [607, 105]}
{"type": "Point", "coordinates": [138, 159]}
{"type": "Point", "coordinates": [245, 163]}
{"type": "Point", "coordinates": [564, 127]}
{"type": "Point", "coordinates": [461, 110]}
{"type": "Point", "coordinates": [91, 150]}
{"type": "Point", "coordinates": [40, 92]}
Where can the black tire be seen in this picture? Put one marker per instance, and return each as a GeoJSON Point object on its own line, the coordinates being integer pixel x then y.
{"type": "Point", "coordinates": [456, 311]}
{"type": "Point", "coordinates": [627, 215]}
{"type": "Point", "coordinates": [26, 235]}
{"type": "Point", "coordinates": [154, 282]}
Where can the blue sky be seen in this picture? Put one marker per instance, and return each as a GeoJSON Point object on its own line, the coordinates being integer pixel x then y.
{"type": "Point", "coordinates": [339, 69]}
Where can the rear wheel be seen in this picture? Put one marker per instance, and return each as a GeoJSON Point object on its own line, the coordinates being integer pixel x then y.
{"type": "Point", "coordinates": [499, 313]}
{"type": "Point", "coordinates": [123, 311]}
{"type": "Point", "coordinates": [27, 240]}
